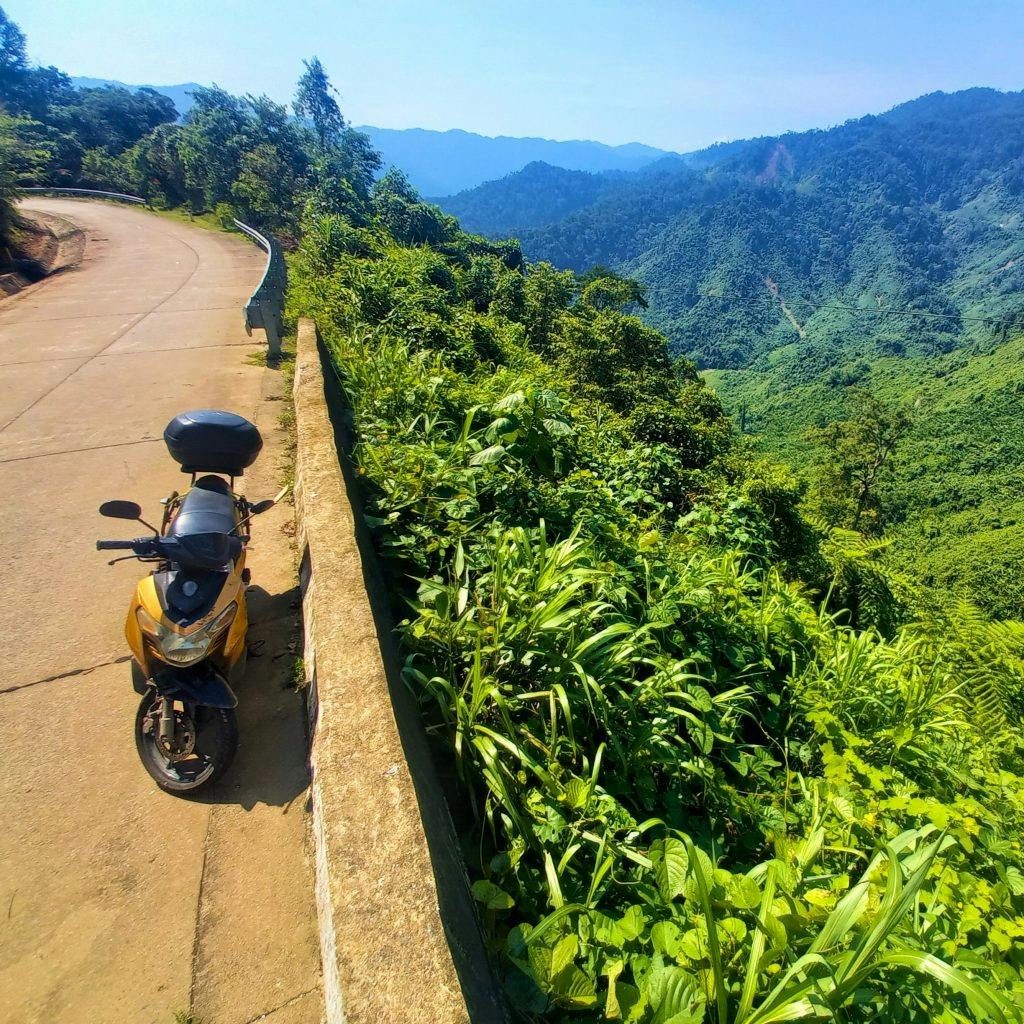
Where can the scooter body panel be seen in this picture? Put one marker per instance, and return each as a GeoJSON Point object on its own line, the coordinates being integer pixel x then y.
{"type": "Point", "coordinates": [227, 654]}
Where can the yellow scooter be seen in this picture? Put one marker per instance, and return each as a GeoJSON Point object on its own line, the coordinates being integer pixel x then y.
{"type": "Point", "coordinates": [187, 620]}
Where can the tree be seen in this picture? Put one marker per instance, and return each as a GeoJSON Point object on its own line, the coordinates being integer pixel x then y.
{"type": "Point", "coordinates": [8, 189]}
{"type": "Point", "coordinates": [604, 289]}
{"type": "Point", "coordinates": [212, 143]}
{"type": "Point", "coordinates": [853, 457]}
{"type": "Point", "coordinates": [314, 100]}
{"type": "Point", "coordinates": [265, 186]}
{"type": "Point", "coordinates": [25, 89]}
{"type": "Point", "coordinates": [39, 154]}
{"type": "Point", "coordinates": [13, 59]}
{"type": "Point", "coordinates": [112, 118]}
{"type": "Point", "coordinates": [396, 204]}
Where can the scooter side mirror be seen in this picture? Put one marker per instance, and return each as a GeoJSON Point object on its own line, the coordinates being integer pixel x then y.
{"type": "Point", "coordinates": [268, 503]}
{"type": "Point", "coordinates": [121, 510]}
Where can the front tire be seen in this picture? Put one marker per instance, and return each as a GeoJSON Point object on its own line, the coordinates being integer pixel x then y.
{"type": "Point", "coordinates": [210, 735]}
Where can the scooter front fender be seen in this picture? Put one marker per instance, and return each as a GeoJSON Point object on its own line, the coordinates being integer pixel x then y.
{"type": "Point", "coordinates": [202, 684]}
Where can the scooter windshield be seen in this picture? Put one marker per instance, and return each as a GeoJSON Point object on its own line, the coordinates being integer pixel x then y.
{"type": "Point", "coordinates": [208, 551]}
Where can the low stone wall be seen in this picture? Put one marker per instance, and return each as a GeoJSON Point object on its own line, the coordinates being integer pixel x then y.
{"type": "Point", "coordinates": [399, 937]}
{"type": "Point", "coordinates": [47, 243]}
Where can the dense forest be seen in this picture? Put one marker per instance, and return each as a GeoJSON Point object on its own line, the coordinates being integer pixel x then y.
{"type": "Point", "coordinates": [886, 254]}
{"type": "Point", "coordinates": [712, 761]}
{"type": "Point", "coordinates": [712, 758]}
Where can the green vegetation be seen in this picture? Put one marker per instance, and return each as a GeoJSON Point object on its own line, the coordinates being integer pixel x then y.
{"type": "Point", "coordinates": [885, 254]}
{"type": "Point", "coordinates": [715, 762]}
{"type": "Point", "coordinates": [953, 502]}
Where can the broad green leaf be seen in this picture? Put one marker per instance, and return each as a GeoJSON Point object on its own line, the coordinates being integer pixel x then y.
{"type": "Point", "coordinates": [743, 892]}
{"type": "Point", "coordinates": [576, 793]}
{"type": "Point", "coordinates": [733, 929]}
{"type": "Point", "coordinates": [1015, 880]}
{"type": "Point", "coordinates": [564, 953]}
{"type": "Point", "coordinates": [632, 923]}
{"type": "Point", "coordinates": [572, 988]}
{"type": "Point", "coordinates": [491, 896]}
{"type": "Point", "coordinates": [674, 995]}
{"type": "Point", "coordinates": [510, 402]}
{"type": "Point", "coordinates": [605, 930]}
{"type": "Point", "coordinates": [540, 963]}
{"type": "Point", "coordinates": [666, 937]}
{"type": "Point", "coordinates": [557, 428]}
{"type": "Point", "coordinates": [485, 456]}
{"type": "Point", "coordinates": [671, 866]}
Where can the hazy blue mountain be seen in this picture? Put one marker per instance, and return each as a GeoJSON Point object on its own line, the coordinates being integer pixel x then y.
{"type": "Point", "coordinates": [539, 194]}
{"type": "Point", "coordinates": [441, 163]}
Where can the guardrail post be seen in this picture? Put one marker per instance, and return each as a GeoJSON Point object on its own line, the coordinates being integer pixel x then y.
{"type": "Point", "coordinates": [270, 314]}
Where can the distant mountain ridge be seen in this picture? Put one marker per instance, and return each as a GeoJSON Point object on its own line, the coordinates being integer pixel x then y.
{"type": "Point", "coordinates": [918, 207]}
{"type": "Point", "coordinates": [441, 163]}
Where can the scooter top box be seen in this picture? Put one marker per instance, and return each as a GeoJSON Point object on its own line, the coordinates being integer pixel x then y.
{"type": "Point", "coordinates": [212, 441]}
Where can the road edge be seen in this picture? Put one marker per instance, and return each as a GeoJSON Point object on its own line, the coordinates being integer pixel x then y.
{"type": "Point", "coordinates": [400, 940]}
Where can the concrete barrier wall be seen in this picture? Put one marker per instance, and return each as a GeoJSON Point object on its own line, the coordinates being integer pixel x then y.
{"type": "Point", "coordinates": [399, 936]}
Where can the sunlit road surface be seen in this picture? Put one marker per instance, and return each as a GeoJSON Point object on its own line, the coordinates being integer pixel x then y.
{"type": "Point", "coordinates": [119, 903]}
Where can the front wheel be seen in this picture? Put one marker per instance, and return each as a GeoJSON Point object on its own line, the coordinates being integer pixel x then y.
{"type": "Point", "coordinates": [203, 745]}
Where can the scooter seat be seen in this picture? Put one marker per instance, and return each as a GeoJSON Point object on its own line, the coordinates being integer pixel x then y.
{"type": "Point", "coordinates": [207, 508]}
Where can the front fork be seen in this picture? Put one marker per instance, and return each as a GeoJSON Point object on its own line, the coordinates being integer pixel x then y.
{"type": "Point", "coordinates": [167, 722]}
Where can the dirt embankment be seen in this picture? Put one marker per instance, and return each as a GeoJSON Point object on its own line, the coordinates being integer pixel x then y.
{"type": "Point", "coordinates": [44, 243]}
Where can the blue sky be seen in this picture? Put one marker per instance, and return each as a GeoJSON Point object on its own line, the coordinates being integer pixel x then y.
{"type": "Point", "coordinates": [674, 74]}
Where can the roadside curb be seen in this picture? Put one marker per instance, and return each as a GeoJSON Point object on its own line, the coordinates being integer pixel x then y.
{"type": "Point", "coordinates": [399, 937]}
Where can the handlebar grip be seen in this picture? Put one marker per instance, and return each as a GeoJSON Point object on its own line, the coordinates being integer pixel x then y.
{"type": "Point", "coordinates": [115, 545]}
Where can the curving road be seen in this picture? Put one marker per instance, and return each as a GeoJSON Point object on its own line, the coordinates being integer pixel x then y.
{"type": "Point", "coordinates": [119, 903]}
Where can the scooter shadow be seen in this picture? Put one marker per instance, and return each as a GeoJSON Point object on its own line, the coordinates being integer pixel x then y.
{"type": "Point", "coordinates": [271, 766]}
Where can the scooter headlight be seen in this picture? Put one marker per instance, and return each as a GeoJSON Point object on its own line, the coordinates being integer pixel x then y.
{"type": "Point", "coordinates": [185, 648]}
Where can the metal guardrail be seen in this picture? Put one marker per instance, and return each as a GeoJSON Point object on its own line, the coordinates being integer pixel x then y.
{"type": "Point", "coordinates": [266, 304]}
{"type": "Point", "coordinates": [89, 192]}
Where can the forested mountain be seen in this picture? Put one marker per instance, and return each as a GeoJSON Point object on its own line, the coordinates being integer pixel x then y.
{"type": "Point", "coordinates": [914, 209]}
{"type": "Point", "coordinates": [886, 254]}
{"type": "Point", "coordinates": [440, 163]}
{"type": "Point", "coordinates": [537, 195]}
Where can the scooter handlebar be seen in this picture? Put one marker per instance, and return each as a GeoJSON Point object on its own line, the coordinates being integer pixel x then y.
{"type": "Point", "coordinates": [123, 545]}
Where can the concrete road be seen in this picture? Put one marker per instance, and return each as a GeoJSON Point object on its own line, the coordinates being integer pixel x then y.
{"type": "Point", "coordinates": [119, 903]}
